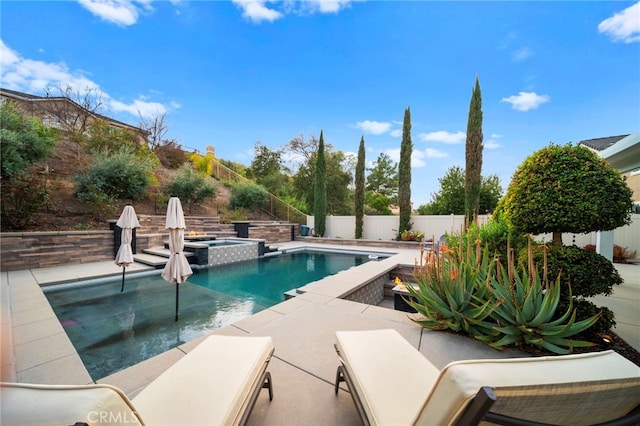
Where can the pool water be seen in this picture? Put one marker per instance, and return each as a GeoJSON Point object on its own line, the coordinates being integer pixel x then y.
{"type": "Point", "coordinates": [112, 330]}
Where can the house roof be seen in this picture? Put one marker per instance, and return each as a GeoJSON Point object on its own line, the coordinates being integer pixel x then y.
{"type": "Point", "coordinates": [625, 154]}
{"type": "Point", "coordinates": [600, 144]}
{"type": "Point", "coordinates": [27, 97]}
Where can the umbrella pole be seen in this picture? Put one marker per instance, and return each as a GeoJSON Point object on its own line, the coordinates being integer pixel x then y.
{"type": "Point", "coordinates": [122, 288]}
{"type": "Point", "coordinates": [177, 296]}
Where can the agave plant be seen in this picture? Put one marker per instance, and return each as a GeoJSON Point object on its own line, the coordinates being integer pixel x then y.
{"type": "Point", "coordinates": [451, 292]}
{"type": "Point", "coordinates": [525, 306]}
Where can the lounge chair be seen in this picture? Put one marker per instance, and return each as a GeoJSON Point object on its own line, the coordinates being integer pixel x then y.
{"type": "Point", "coordinates": [217, 383]}
{"type": "Point", "coordinates": [392, 383]}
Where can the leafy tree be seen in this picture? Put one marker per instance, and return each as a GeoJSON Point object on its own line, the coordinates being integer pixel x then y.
{"type": "Point", "coordinates": [378, 202]}
{"type": "Point", "coordinates": [248, 195]}
{"type": "Point", "coordinates": [320, 190]}
{"type": "Point", "coordinates": [122, 175]}
{"type": "Point", "coordinates": [450, 198]}
{"type": "Point", "coordinates": [24, 141]}
{"type": "Point", "coordinates": [267, 168]}
{"type": "Point", "coordinates": [105, 139]}
{"type": "Point", "coordinates": [404, 174]}
{"type": "Point", "coordinates": [190, 186]}
{"type": "Point", "coordinates": [566, 189]}
{"type": "Point", "coordinates": [359, 193]}
{"type": "Point", "coordinates": [383, 177]}
{"type": "Point", "coordinates": [473, 155]}
{"type": "Point", "coordinates": [338, 180]}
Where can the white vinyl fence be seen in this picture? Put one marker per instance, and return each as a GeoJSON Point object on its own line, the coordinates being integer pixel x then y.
{"type": "Point", "coordinates": [385, 228]}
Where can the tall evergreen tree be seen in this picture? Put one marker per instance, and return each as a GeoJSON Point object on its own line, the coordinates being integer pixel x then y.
{"type": "Point", "coordinates": [320, 190]}
{"type": "Point", "coordinates": [359, 193]}
{"type": "Point", "coordinates": [404, 174]}
{"type": "Point", "coordinates": [473, 154]}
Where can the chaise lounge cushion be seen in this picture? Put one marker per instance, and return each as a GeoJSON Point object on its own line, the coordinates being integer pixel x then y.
{"type": "Point", "coordinates": [397, 385]}
{"type": "Point", "coordinates": [459, 382]}
{"type": "Point", "coordinates": [42, 405]}
{"type": "Point", "coordinates": [391, 377]}
{"type": "Point", "coordinates": [211, 385]}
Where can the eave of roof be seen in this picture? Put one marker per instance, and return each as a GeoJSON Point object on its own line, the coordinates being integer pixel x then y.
{"type": "Point", "coordinates": [625, 154]}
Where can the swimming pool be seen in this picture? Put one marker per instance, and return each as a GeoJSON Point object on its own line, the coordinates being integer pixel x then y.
{"type": "Point", "coordinates": [112, 330]}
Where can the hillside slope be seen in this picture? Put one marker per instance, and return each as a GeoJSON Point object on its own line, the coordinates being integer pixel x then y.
{"type": "Point", "coordinates": [64, 212]}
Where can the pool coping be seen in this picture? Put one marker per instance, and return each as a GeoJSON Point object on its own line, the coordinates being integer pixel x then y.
{"type": "Point", "coordinates": [43, 353]}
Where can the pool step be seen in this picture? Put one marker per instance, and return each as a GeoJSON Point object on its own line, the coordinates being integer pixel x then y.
{"type": "Point", "coordinates": [156, 256]}
{"type": "Point", "coordinates": [150, 260]}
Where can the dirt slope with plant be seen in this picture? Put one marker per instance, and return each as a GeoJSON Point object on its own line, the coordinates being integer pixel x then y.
{"type": "Point", "coordinates": [64, 212]}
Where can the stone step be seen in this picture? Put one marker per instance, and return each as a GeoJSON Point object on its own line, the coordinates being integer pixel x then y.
{"type": "Point", "coordinates": [151, 260]}
{"type": "Point", "coordinates": [163, 252]}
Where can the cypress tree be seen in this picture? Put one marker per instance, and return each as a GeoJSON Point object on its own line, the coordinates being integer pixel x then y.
{"type": "Point", "coordinates": [359, 194]}
{"type": "Point", "coordinates": [473, 155]}
{"type": "Point", "coordinates": [404, 174]}
{"type": "Point", "coordinates": [320, 190]}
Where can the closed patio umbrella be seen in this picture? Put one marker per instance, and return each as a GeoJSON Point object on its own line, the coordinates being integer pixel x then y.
{"type": "Point", "coordinates": [177, 268]}
{"type": "Point", "coordinates": [127, 221]}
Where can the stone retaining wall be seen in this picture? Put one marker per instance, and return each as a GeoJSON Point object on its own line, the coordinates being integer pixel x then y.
{"type": "Point", "coordinates": [26, 250]}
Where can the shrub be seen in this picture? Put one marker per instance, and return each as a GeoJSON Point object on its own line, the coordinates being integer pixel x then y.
{"type": "Point", "coordinates": [228, 216]}
{"type": "Point", "coordinates": [497, 234]}
{"type": "Point", "coordinates": [248, 196]}
{"type": "Point", "coordinates": [190, 186]}
{"type": "Point", "coordinates": [588, 273]}
{"type": "Point", "coordinates": [24, 141]}
{"type": "Point", "coordinates": [119, 176]}
{"type": "Point", "coordinates": [22, 196]}
{"type": "Point", "coordinates": [170, 154]}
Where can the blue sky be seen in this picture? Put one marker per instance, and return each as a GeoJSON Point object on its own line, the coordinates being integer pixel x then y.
{"type": "Point", "coordinates": [231, 73]}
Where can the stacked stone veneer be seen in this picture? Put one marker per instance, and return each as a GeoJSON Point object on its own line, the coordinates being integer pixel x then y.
{"type": "Point", "coordinates": [371, 293]}
{"type": "Point", "coordinates": [26, 250]}
{"type": "Point", "coordinates": [232, 253]}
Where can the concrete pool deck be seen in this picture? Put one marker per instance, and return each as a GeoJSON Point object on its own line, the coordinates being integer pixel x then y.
{"type": "Point", "coordinates": [35, 348]}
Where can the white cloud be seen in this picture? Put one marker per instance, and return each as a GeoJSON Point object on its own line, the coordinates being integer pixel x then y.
{"type": "Point", "coordinates": [119, 12]}
{"type": "Point", "coordinates": [492, 143]}
{"type": "Point", "coordinates": [417, 157]}
{"type": "Point", "coordinates": [326, 6]}
{"type": "Point", "coordinates": [373, 127]}
{"type": "Point", "coordinates": [521, 54]}
{"type": "Point", "coordinates": [623, 26]}
{"type": "Point", "coordinates": [443, 136]}
{"type": "Point", "coordinates": [30, 76]}
{"type": "Point", "coordinates": [525, 101]}
{"type": "Point", "coordinates": [271, 10]}
{"type": "Point", "coordinates": [256, 11]}
{"type": "Point", "coordinates": [139, 107]}
{"type": "Point", "coordinates": [396, 133]}
{"type": "Point", "coordinates": [435, 153]}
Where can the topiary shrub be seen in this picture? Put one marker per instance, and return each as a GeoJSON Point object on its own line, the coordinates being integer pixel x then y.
{"type": "Point", "coordinates": [587, 272]}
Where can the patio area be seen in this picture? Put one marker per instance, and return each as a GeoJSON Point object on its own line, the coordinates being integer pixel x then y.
{"type": "Point", "coordinates": [35, 348]}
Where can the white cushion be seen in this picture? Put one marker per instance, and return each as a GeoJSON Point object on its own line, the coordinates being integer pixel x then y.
{"type": "Point", "coordinates": [392, 379]}
{"type": "Point", "coordinates": [42, 405]}
{"type": "Point", "coordinates": [460, 381]}
{"type": "Point", "coordinates": [210, 385]}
